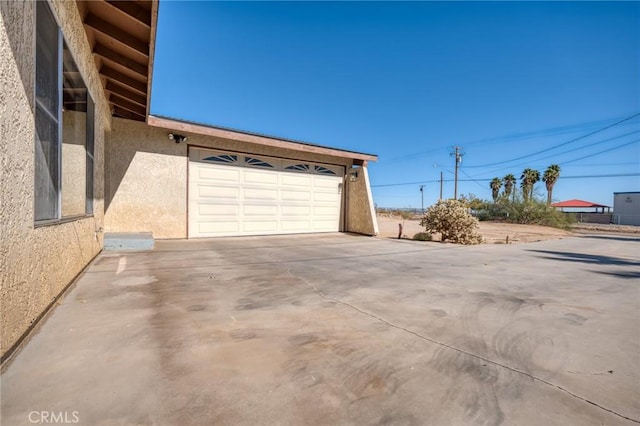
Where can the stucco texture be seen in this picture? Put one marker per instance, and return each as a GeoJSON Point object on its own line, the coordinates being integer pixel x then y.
{"type": "Point", "coordinates": [37, 263]}
{"type": "Point", "coordinates": [146, 181]}
{"type": "Point", "coordinates": [361, 217]}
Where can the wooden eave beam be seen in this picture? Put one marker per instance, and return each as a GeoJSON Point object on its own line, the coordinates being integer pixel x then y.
{"type": "Point", "coordinates": [127, 114]}
{"type": "Point", "coordinates": [119, 78]}
{"type": "Point", "coordinates": [127, 104]}
{"type": "Point", "coordinates": [138, 13]}
{"type": "Point", "coordinates": [132, 96]}
{"type": "Point", "coordinates": [116, 57]}
{"type": "Point", "coordinates": [117, 34]}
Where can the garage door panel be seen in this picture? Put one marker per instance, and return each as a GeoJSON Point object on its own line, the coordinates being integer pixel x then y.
{"type": "Point", "coordinates": [328, 197]}
{"type": "Point", "coordinates": [290, 210]}
{"type": "Point", "coordinates": [260, 210]}
{"type": "Point", "coordinates": [230, 195]}
{"type": "Point", "coordinates": [251, 194]}
{"type": "Point", "coordinates": [218, 192]}
{"type": "Point", "coordinates": [219, 174]}
{"type": "Point", "coordinates": [268, 226]}
{"type": "Point", "coordinates": [292, 179]}
{"type": "Point", "coordinates": [326, 182]}
{"type": "Point", "coordinates": [260, 177]}
{"type": "Point", "coordinates": [296, 225]}
{"type": "Point", "coordinates": [230, 210]}
{"type": "Point", "coordinates": [325, 212]}
{"type": "Point", "coordinates": [218, 227]}
{"type": "Point", "coordinates": [289, 195]}
{"type": "Point", "coordinates": [323, 225]}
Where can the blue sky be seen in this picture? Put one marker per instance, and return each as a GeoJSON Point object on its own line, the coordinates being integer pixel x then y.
{"type": "Point", "coordinates": [409, 80]}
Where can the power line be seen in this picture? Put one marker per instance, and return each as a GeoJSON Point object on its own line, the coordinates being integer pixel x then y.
{"type": "Point", "coordinates": [559, 145]}
{"type": "Point", "coordinates": [565, 152]}
{"type": "Point", "coordinates": [489, 179]}
{"type": "Point", "coordinates": [551, 131]}
{"type": "Point", "coordinates": [601, 152]}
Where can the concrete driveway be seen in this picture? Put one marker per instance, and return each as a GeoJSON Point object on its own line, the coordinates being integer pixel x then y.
{"type": "Point", "coordinates": [339, 329]}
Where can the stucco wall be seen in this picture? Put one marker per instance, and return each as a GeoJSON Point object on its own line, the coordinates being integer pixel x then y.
{"type": "Point", "coordinates": [36, 263]}
{"type": "Point", "coordinates": [146, 183]}
{"type": "Point", "coordinates": [361, 217]}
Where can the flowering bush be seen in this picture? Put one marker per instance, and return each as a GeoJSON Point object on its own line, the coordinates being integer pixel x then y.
{"type": "Point", "coordinates": [452, 220]}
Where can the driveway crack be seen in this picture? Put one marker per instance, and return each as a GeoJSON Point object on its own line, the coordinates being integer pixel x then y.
{"type": "Point", "coordinates": [453, 348]}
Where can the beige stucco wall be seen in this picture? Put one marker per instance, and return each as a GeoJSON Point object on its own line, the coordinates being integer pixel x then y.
{"type": "Point", "coordinates": [37, 263]}
{"type": "Point", "coordinates": [361, 216]}
{"type": "Point", "coordinates": [146, 183]}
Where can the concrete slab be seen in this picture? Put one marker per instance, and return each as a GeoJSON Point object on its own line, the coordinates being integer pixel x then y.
{"type": "Point", "coordinates": [338, 329]}
{"type": "Point", "coordinates": [128, 241]}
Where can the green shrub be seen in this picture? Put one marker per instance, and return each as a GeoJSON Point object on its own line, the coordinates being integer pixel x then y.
{"type": "Point", "coordinates": [423, 236]}
{"type": "Point", "coordinates": [452, 220]}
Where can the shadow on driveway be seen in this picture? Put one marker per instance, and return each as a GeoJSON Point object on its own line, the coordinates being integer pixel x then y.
{"type": "Point", "coordinates": [599, 259]}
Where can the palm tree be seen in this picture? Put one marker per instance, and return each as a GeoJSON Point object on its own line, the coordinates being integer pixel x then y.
{"type": "Point", "coordinates": [528, 180]}
{"type": "Point", "coordinates": [495, 184]}
{"type": "Point", "coordinates": [550, 178]}
{"type": "Point", "coordinates": [509, 180]}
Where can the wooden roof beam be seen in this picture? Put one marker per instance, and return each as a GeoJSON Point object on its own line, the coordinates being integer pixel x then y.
{"type": "Point", "coordinates": [119, 78]}
{"type": "Point", "coordinates": [116, 57]}
{"type": "Point", "coordinates": [127, 104]}
{"type": "Point", "coordinates": [127, 114]}
{"type": "Point", "coordinates": [130, 8]}
{"type": "Point", "coordinates": [117, 34]}
{"type": "Point", "coordinates": [119, 90]}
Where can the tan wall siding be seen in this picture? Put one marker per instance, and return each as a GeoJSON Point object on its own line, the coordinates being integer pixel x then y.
{"type": "Point", "coordinates": [361, 216]}
{"type": "Point", "coordinates": [37, 263]}
{"type": "Point", "coordinates": [147, 176]}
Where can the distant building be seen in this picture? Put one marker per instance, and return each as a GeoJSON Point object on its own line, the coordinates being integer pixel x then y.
{"type": "Point", "coordinates": [585, 211]}
{"type": "Point", "coordinates": [626, 208]}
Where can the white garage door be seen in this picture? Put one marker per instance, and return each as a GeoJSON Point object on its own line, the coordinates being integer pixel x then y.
{"type": "Point", "coordinates": [242, 194]}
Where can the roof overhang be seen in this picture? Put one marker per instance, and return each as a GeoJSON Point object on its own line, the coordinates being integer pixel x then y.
{"type": "Point", "coordinates": [122, 38]}
{"type": "Point", "coordinates": [221, 132]}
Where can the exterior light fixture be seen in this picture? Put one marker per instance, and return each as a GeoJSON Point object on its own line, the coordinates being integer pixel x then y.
{"type": "Point", "coordinates": [177, 138]}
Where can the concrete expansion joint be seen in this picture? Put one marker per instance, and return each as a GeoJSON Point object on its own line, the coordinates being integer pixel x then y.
{"type": "Point", "coordinates": [459, 350]}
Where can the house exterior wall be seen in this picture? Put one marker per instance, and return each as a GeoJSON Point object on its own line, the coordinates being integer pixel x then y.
{"type": "Point", "coordinates": [626, 208]}
{"type": "Point", "coordinates": [361, 216]}
{"type": "Point", "coordinates": [147, 174]}
{"type": "Point", "coordinates": [37, 263]}
{"type": "Point", "coordinates": [146, 181]}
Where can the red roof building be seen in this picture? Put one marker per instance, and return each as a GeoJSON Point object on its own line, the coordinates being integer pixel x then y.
{"type": "Point", "coordinates": [579, 204]}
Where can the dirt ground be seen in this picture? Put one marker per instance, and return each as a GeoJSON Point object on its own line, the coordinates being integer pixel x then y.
{"type": "Point", "coordinates": [492, 233]}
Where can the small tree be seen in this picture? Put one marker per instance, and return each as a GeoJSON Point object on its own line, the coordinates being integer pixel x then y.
{"type": "Point", "coordinates": [452, 220]}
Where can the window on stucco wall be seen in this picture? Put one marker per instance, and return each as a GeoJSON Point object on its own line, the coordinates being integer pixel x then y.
{"type": "Point", "coordinates": [64, 127]}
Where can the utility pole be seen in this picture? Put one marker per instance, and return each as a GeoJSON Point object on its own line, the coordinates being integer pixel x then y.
{"type": "Point", "coordinates": [441, 180]}
{"type": "Point", "coordinates": [458, 155]}
{"type": "Point", "coordinates": [422, 197]}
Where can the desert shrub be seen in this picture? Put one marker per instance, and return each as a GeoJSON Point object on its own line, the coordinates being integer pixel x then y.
{"type": "Point", "coordinates": [423, 236]}
{"type": "Point", "coordinates": [452, 220]}
{"type": "Point", "coordinates": [537, 212]}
